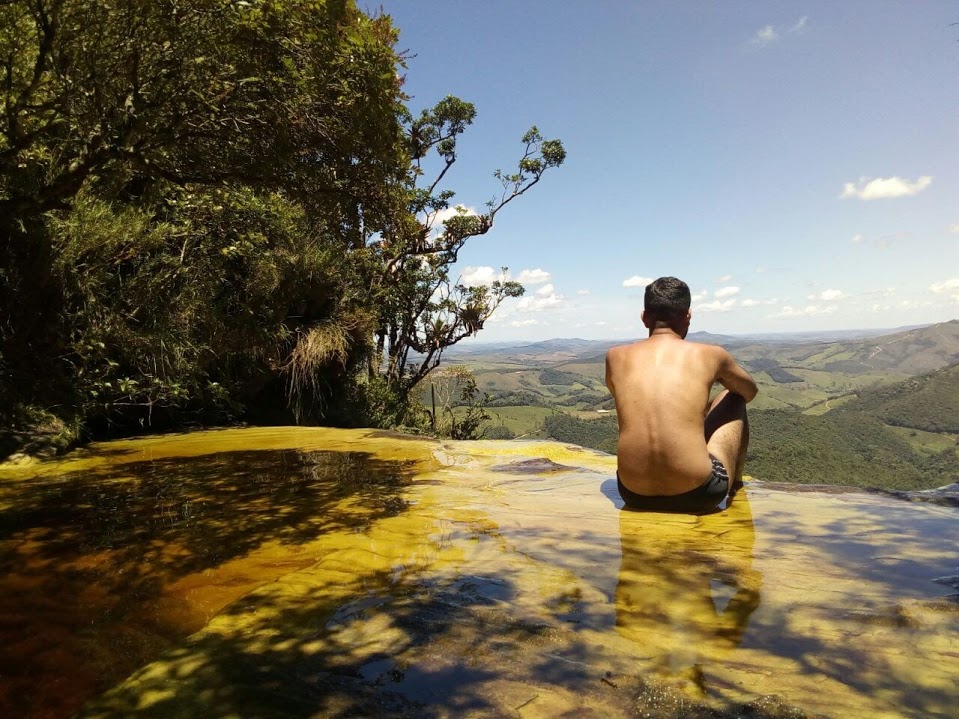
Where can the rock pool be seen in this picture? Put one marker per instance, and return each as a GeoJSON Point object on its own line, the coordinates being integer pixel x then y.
{"type": "Point", "coordinates": [300, 572]}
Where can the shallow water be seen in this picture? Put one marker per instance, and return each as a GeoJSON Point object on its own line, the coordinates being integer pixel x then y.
{"type": "Point", "coordinates": [310, 572]}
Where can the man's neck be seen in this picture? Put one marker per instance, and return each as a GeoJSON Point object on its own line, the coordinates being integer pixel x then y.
{"type": "Point", "coordinates": [664, 332]}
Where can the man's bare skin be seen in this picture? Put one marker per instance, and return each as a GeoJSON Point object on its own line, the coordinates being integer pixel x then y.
{"type": "Point", "coordinates": [667, 426]}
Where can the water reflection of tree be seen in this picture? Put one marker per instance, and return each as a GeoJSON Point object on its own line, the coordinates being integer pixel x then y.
{"type": "Point", "coordinates": [87, 555]}
{"type": "Point", "coordinates": [686, 590]}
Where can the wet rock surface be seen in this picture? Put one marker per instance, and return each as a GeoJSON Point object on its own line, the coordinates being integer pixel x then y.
{"type": "Point", "coordinates": [419, 579]}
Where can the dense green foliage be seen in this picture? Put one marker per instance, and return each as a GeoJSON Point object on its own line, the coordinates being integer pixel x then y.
{"type": "Point", "coordinates": [600, 434]}
{"type": "Point", "coordinates": [523, 398]}
{"type": "Point", "coordinates": [929, 402]}
{"type": "Point", "coordinates": [771, 367]}
{"type": "Point", "coordinates": [558, 377]}
{"type": "Point", "coordinates": [213, 210]}
{"type": "Point", "coordinates": [847, 449]}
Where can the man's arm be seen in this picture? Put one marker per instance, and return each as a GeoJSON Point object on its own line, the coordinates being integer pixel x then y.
{"type": "Point", "coordinates": [735, 378]}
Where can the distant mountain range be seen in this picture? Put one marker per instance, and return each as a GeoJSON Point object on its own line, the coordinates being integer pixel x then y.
{"type": "Point", "coordinates": [910, 350]}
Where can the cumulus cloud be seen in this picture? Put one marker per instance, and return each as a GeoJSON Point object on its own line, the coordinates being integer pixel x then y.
{"type": "Point", "coordinates": [768, 34]}
{"type": "Point", "coordinates": [583, 292]}
{"type": "Point", "coordinates": [726, 291]}
{"type": "Point", "coordinates": [884, 187]}
{"type": "Point", "coordinates": [725, 278]}
{"type": "Point", "coordinates": [533, 277]}
{"type": "Point", "coordinates": [716, 306]}
{"type": "Point", "coordinates": [701, 295]}
{"type": "Point", "coordinates": [765, 35]}
{"type": "Point", "coordinates": [857, 239]}
{"type": "Point", "coordinates": [544, 299]}
{"type": "Point", "coordinates": [750, 303]}
{"type": "Point", "coordinates": [828, 296]}
{"type": "Point", "coordinates": [637, 281]}
{"type": "Point", "coordinates": [951, 285]}
{"type": "Point", "coordinates": [443, 215]}
{"type": "Point", "coordinates": [475, 276]}
{"type": "Point", "coordinates": [524, 323]}
{"type": "Point", "coordinates": [789, 311]}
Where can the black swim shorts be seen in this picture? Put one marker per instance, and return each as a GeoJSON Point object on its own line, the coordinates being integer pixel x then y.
{"type": "Point", "coordinates": [704, 498]}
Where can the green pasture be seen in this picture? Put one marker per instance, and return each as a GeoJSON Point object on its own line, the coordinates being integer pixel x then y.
{"type": "Point", "coordinates": [931, 442]}
{"type": "Point", "coordinates": [828, 404]}
{"type": "Point", "coordinates": [523, 421]}
{"type": "Point", "coordinates": [593, 370]}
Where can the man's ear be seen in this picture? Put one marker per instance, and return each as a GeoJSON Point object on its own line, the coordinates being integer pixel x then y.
{"type": "Point", "coordinates": [689, 316]}
{"type": "Point", "coordinates": [642, 316]}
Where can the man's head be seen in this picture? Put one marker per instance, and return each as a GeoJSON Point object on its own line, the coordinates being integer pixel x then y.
{"type": "Point", "coordinates": [667, 305]}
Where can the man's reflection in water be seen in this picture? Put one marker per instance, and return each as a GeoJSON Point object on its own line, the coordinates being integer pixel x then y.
{"type": "Point", "coordinates": [687, 587]}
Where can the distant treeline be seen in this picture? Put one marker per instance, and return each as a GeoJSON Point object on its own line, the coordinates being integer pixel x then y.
{"type": "Point", "coordinates": [600, 434]}
{"type": "Point", "coordinates": [772, 368]}
{"type": "Point", "coordinates": [558, 377]}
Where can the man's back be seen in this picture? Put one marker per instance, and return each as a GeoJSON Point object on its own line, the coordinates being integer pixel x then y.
{"type": "Point", "coordinates": [661, 386]}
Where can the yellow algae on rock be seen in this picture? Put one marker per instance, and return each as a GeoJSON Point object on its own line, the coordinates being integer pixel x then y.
{"type": "Point", "coordinates": [489, 579]}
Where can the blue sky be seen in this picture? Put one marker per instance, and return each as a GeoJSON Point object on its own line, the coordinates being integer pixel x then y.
{"type": "Point", "coordinates": [797, 163]}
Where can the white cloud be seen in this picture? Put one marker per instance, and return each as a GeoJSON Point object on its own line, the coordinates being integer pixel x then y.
{"type": "Point", "coordinates": [726, 291]}
{"type": "Point", "coordinates": [725, 278]}
{"type": "Point", "coordinates": [789, 311]}
{"type": "Point", "coordinates": [637, 281]}
{"type": "Point", "coordinates": [828, 296]}
{"type": "Point", "coordinates": [583, 292]}
{"type": "Point", "coordinates": [443, 215]}
{"type": "Point", "coordinates": [716, 306]}
{"type": "Point", "coordinates": [701, 295]}
{"type": "Point", "coordinates": [857, 239]}
{"type": "Point", "coordinates": [884, 187]}
{"type": "Point", "coordinates": [749, 303]}
{"type": "Point", "coordinates": [601, 323]}
{"type": "Point", "coordinates": [946, 286]}
{"type": "Point", "coordinates": [475, 276]}
{"type": "Point", "coordinates": [533, 277]}
{"type": "Point", "coordinates": [769, 34]}
{"type": "Point", "coordinates": [524, 323]}
{"type": "Point", "coordinates": [954, 228]}
{"type": "Point", "coordinates": [541, 301]}
{"type": "Point", "coordinates": [765, 35]}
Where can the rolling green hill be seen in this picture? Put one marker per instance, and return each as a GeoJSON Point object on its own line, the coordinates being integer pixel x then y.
{"type": "Point", "coordinates": [929, 402]}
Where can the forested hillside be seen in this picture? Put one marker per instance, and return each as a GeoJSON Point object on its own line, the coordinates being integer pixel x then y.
{"type": "Point", "coordinates": [847, 449]}
{"type": "Point", "coordinates": [929, 402]}
{"type": "Point", "coordinates": [215, 211]}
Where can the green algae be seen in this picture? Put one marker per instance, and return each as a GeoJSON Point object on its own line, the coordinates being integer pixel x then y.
{"type": "Point", "coordinates": [474, 579]}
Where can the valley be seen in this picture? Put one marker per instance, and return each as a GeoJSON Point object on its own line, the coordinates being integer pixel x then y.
{"type": "Point", "coordinates": [857, 408]}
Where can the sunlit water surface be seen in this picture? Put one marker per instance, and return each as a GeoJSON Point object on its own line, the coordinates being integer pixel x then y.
{"type": "Point", "coordinates": [312, 572]}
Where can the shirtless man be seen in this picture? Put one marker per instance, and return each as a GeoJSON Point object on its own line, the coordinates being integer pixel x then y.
{"type": "Point", "coordinates": [677, 452]}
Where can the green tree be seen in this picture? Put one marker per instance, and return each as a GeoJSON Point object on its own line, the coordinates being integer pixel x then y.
{"type": "Point", "coordinates": [213, 208]}
{"type": "Point", "coordinates": [143, 111]}
{"type": "Point", "coordinates": [422, 310]}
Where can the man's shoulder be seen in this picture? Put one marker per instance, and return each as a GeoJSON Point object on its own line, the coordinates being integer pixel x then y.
{"type": "Point", "coordinates": [625, 348]}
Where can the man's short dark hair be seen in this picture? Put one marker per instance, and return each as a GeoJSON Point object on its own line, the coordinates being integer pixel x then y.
{"type": "Point", "coordinates": [667, 300]}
